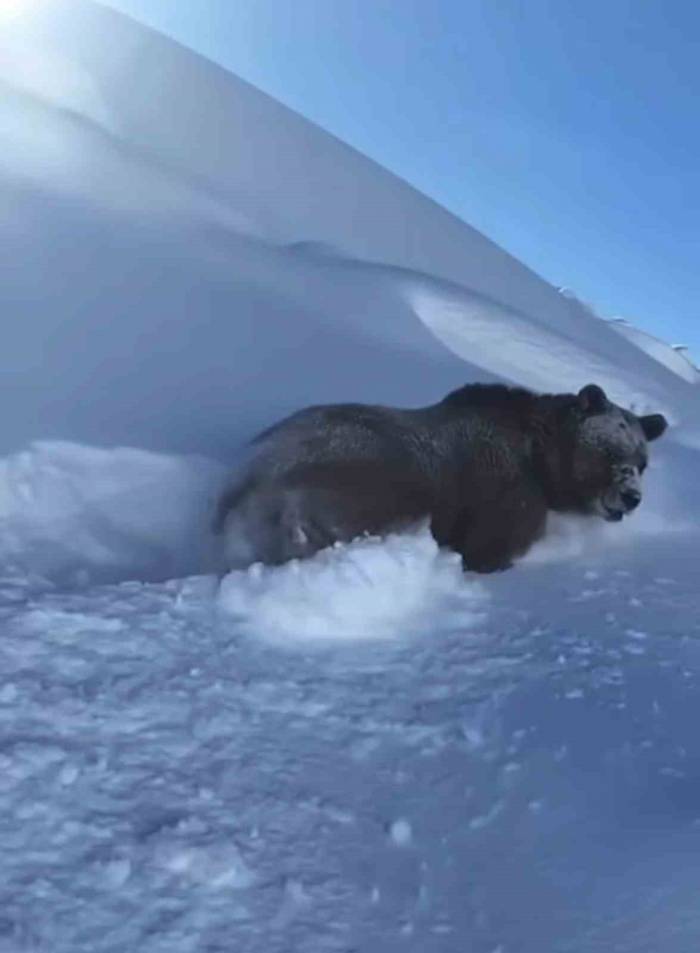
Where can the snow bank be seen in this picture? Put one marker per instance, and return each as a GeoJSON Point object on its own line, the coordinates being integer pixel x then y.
{"type": "Point", "coordinates": [371, 589]}
{"type": "Point", "coordinates": [210, 261]}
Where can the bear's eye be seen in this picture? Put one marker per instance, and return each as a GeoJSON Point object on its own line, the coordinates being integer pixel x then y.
{"type": "Point", "coordinates": [642, 466]}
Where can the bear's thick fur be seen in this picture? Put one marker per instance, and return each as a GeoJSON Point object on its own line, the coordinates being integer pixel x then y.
{"type": "Point", "coordinates": [484, 465]}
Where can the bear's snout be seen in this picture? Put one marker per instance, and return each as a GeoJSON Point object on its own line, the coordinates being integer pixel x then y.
{"type": "Point", "coordinates": [617, 502]}
{"type": "Point", "coordinates": [631, 499]}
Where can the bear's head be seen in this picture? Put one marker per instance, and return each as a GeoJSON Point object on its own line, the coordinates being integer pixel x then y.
{"type": "Point", "coordinates": [605, 454]}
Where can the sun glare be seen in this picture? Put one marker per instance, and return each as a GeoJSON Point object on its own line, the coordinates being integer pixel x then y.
{"type": "Point", "coordinates": [14, 8]}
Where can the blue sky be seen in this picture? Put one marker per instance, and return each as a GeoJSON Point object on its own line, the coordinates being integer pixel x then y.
{"type": "Point", "coordinates": [567, 131]}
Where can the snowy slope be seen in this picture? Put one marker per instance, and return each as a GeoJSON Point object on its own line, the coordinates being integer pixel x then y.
{"type": "Point", "coordinates": [366, 752]}
{"type": "Point", "coordinates": [673, 357]}
{"type": "Point", "coordinates": [168, 205]}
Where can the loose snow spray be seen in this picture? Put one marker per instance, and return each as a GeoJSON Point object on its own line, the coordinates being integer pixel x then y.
{"type": "Point", "coordinates": [579, 537]}
{"type": "Point", "coordinates": [372, 589]}
{"type": "Point", "coordinates": [71, 513]}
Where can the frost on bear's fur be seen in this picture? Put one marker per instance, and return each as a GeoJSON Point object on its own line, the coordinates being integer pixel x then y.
{"type": "Point", "coordinates": [484, 465]}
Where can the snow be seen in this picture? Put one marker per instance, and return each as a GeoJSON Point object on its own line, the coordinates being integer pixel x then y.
{"type": "Point", "coordinates": [367, 750]}
{"type": "Point", "coordinates": [75, 515]}
{"type": "Point", "coordinates": [371, 589]}
{"type": "Point", "coordinates": [174, 212]}
{"type": "Point", "coordinates": [527, 781]}
{"type": "Point", "coordinates": [672, 357]}
{"type": "Point", "coordinates": [401, 833]}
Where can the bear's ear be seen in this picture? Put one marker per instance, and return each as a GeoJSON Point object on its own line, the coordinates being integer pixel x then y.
{"type": "Point", "coordinates": [653, 425]}
{"type": "Point", "coordinates": [592, 399]}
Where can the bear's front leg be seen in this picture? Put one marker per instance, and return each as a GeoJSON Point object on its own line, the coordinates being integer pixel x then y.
{"type": "Point", "coordinates": [491, 538]}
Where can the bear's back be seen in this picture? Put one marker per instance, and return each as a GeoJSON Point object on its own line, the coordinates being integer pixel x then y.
{"type": "Point", "coordinates": [338, 432]}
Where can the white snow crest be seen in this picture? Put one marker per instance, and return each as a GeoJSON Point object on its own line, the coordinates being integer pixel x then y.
{"type": "Point", "coordinates": [372, 589]}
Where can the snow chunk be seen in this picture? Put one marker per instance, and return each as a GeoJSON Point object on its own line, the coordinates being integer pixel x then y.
{"type": "Point", "coordinates": [117, 872]}
{"type": "Point", "coordinates": [218, 865]}
{"type": "Point", "coordinates": [8, 694]}
{"type": "Point", "coordinates": [371, 589]}
{"type": "Point", "coordinates": [401, 833]}
{"type": "Point", "coordinates": [68, 774]}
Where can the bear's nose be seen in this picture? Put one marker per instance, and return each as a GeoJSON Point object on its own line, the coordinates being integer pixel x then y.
{"type": "Point", "coordinates": [631, 499]}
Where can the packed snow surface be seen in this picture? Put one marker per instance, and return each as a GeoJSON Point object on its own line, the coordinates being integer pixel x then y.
{"type": "Point", "coordinates": [369, 750]}
{"type": "Point", "coordinates": [516, 771]}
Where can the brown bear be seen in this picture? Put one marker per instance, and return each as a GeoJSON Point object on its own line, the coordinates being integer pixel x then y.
{"type": "Point", "coordinates": [484, 466]}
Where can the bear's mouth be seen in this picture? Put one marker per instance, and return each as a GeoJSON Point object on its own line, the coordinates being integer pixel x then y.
{"type": "Point", "coordinates": [612, 516]}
